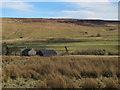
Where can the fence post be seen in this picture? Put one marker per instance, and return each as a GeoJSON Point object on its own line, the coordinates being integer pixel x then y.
{"type": "Point", "coordinates": [7, 49]}
{"type": "Point", "coordinates": [66, 49]}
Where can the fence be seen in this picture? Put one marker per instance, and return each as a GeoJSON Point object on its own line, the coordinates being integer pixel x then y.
{"type": "Point", "coordinates": [16, 49]}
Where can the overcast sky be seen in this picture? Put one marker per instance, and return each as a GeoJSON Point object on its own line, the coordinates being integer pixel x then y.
{"type": "Point", "coordinates": [102, 9]}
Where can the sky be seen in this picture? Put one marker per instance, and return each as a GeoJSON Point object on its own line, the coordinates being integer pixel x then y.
{"type": "Point", "coordinates": [106, 9]}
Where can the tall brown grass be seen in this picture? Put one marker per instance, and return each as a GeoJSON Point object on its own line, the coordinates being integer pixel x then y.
{"type": "Point", "coordinates": [63, 71]}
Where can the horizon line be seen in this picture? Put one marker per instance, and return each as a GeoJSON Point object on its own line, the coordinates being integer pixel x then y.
{"type": "Point", "coordinates": [64, 18]}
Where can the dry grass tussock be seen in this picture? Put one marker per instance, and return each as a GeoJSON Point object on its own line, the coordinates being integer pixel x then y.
{"type": "Point", "coordinates": [62, 71]}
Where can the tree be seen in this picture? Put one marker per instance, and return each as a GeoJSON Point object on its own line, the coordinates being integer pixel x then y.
{"type": "Point", "coordinates": [6, 49]}
{"type": "Point", "coordinates": [98, 35]}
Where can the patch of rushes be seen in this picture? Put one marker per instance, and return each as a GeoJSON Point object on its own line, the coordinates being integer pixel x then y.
{"type": "Point", "coordinates": [62, 71]}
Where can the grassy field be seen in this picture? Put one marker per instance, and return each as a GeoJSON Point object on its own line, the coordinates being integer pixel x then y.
{"type": "Point", "coordinates": [55, 35]}
{"type": "Point", "coordinates": [13, 30]}
{"type": "Point", "coordinates": [67, 71]}
{"type": "Point", "coordinates": [60, 72]}
{"type": "Point", "coordinates": [78, 45]}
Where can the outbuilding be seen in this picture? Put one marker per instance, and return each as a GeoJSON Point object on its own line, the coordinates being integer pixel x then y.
{"type": "Point", "coordinates": [28, 52]}
{"type": "Point", "coordinates": [46, 53]}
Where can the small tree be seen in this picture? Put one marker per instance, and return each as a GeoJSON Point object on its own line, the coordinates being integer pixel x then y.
{"type": "Point", "coordinates": [6, 51]}
{"type": "Point", "coordinates": [86, 32]}
{"type": "Point", "coordinates": [98, 35]}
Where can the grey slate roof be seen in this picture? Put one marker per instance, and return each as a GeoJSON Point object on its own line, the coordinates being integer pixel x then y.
{"type": "Point", "coordinates": [46, 52]}
{"type": "Point", "coordinates": [28, 52]}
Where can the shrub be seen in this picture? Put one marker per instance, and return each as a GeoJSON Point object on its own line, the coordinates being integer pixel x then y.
{"type": "Point", "coordinates": [5, 49]}
{"type": "Point", "coordinates": [98, 35]}
{"type": "Point", "coordinates": [107, 74]}
{"type": "Point", "coordinates": [91, 52]}
{"type": "Point", "coordinates": [113, 53]}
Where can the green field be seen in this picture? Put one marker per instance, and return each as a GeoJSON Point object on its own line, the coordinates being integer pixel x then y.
{"type": "Point", "coordinates": [54, 35]}
{"type": "Point", "coordinates": [72, 46]}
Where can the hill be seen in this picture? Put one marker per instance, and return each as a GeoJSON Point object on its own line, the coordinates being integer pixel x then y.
{"type": "Point", "coordinates": [46, 33]}
{"type": "Point", "coordinates": [56, 28]}
{"type": "Point", "coordinates": [81, 21]}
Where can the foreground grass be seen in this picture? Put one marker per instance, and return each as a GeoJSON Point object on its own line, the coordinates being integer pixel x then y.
{"type": "Point", "coordinates": [61, 71]}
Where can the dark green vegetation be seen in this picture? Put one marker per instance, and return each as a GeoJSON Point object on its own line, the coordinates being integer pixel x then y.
{"type": "Point", "coordinates": [54, 34]}
{"type": "Point", "coordinates": [61, 72]}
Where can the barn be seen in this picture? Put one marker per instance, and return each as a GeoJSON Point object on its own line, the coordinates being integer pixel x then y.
{"type": "Point", "coordinates": [46, 53]}
{"type": "Point", "coordinates": [28, 52]}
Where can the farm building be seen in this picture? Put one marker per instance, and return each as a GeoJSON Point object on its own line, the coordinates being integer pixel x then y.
{"type": "Point", "coordinates": [28, 52]}
{"type": "Point", "coordinates": [46, 53]}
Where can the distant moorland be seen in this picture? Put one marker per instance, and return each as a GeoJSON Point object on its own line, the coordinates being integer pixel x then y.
{"type": "Point", "coordinates": [77, 34]}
